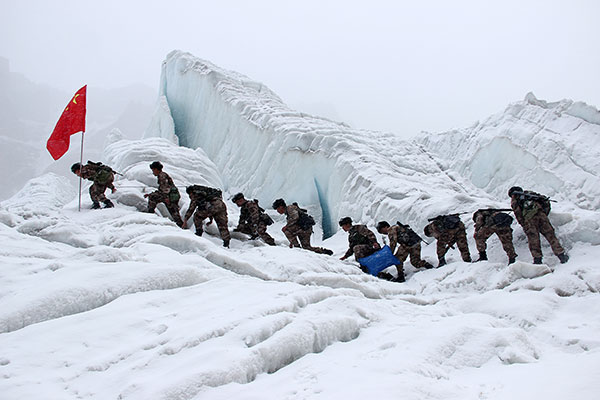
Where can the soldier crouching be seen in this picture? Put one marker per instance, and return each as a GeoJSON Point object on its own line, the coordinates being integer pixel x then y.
{"type": "Point", "coordinates": [298, 226]}
{"type": "Point", "coordinates": [489, 222]}
{"type": "Point", "coordinates": [448, 230]}
{"type": "Point", "coordinates": [207, 202]}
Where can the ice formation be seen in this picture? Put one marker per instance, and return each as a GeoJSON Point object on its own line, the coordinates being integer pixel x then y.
{"type": "Point", "coordinates": [264, 148]}
{"type": "Point", "coordinates": [122, 304]}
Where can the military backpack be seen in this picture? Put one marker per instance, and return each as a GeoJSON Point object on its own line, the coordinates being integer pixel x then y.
{"type": "Point", "coordinates": [305, 221]}
{"type": "Point", "coordinates": [103, 173]}
{"type": "Point", "coordinates": [406, 235]}
{"type": "Point", "coordinates": [532, 202]}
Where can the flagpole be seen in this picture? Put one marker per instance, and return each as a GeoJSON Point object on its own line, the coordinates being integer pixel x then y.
{"type": "Point", "coordinates": [81, 166]}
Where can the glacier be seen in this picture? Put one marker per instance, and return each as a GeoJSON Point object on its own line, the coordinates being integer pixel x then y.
{"type": "Point", "coordinates": [122, 304]}
{"type": "Point", "coordinates": [267, 150]}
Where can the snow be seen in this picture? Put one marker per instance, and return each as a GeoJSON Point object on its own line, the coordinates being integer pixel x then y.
{"type": "Point", "coordinates": [121, 304]}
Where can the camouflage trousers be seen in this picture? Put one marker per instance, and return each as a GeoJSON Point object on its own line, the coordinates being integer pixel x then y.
{"type": "Point", "coordinates": [363, 250]}
{"type": "Point", "coordinates": [97, 192]}
{"type": "Point", "coordinates": [540, 224]}
{"type": "Point", "coordinates": [414, 252]}
{"type": "Point", "coordinates": [259, 230]}
{"type": "Point", "coordinates": [450, 237]}
{"type": "Point", "coordinates": [504, 234]}
{"type": "Point", "coordinates": [295, 234]}
{"type": "Point", "coordinates": [156, 197]}
{"type": "Point", "coordinates": [217, 211]}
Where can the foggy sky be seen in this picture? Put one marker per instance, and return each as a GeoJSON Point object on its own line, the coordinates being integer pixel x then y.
{"type": "Point", "coordinates": [400, 66]}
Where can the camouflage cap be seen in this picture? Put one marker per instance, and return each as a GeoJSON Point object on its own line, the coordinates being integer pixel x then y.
{"type": "Point", "coordinates": [345, 221]}
{"type": "Point", "coordinates": [237, 196]}
{"type": "Point", "coordinates": [514, 189]}
{"type": "Point", "coordinates": [278, 203]}
{"type": "Point", "coordinates": [427, 231]}
{"type": "Point", "coordinates": [381, 225]}
{"type": "Point", "coordinates": [156, 165]}
{"type": "Point", "coordinates": [75, 167]}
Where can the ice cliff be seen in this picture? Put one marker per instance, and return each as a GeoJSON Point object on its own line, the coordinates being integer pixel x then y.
{"type": "Point", "coordinates": [267, 150]}
{"type": "Point", "coordinates": [551, 147]}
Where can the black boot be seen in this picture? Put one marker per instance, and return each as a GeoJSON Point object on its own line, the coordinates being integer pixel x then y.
{"type": "Point", "coordinates": [108, 204]}
{"type": "Point", "coordinates": [482, 256]}
{"type": "Point", "coordinates": [400, 278]}
{"type": "Point", "coordinates": [226, 243]}
{"type": "Point", "coordinates": [95, 205]}
{"type": "Point", "coordinates": [563, 258]}
{"type": "Point", "coordinates": [442, 262]}
{"type": "Point", "coordinates": [426, 265]}
{"type": "Point", "coordinates": [511, 260]}
{"type": "Point", "coordinates": [199, 232]}
{"type": "Point", "coordinates": [537, 260]}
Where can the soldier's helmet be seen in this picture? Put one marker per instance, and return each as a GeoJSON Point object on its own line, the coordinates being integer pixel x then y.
{"type": "Point", "coordinates": [237, 196]}
{"type": "Point", "coordinates": [75, 167]}
{"type": "Point", "coordinates": [156, 165]}
{"type": "Point", "coordinates": [427, 231]}
{"type": "Point", "coordinates": [278, 203]}
{"type": "Point", "coordinates": [381, 225]}
{"type": "Point", "coordinates": [514, 189]}
{"type": "Point", "coordinates": [345, 221]}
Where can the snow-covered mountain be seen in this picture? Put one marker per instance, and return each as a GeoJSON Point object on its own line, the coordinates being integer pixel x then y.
{"type": "Point", "coordinates": [120, 304]}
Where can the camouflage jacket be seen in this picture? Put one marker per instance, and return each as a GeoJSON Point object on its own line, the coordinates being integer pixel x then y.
{"type": "Point", "coordinates": [359, 234]}
{"type": "Point", "coordinates": [165, 183]}
{"type": "Point", "coordinates": [249, 213]}
{"type": "Point", "coordinates": [89, 172]}
{"type": "Point", "coordinates": [531, 209]}
{"type": "Point", "coordinates": [292, 213]}
{"type": "Point", "coordinates": [196, 201]}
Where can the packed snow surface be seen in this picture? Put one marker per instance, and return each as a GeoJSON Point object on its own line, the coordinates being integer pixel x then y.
{"type": "Point", "coordinates": [122, 304]}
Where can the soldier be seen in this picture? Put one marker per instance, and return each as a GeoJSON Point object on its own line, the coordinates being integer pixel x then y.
{"type": "Point", "coordinates": [362, 242]}
{"type": "Point", "coordinates": [253, 220]}
{"type": "Point", "coordinates": [102, 176]}
{"type": "Point", "coordinates": [298, 227]}
{"type": "Point", "coordinates": [408, 242]}
{"type": "Point", "coordinates": [531, 210]}
{"type": "Point", "coordinates": [448, 229]}
{"type": "Point", "coordinates": [488, 222]}
{"type": "Point", "coordinates": [208, 203]}
{"type": "Point", "coordinates": [167, 193]}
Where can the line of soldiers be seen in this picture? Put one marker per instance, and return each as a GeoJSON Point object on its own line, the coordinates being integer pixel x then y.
{"type": "Point", "coordinates": [531, 210]}
{"type": "Point", "coordinates": [207, 202]}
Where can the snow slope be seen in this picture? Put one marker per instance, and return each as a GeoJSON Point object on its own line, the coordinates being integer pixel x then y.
{"type": "Point", "coordinates": [121, 304]}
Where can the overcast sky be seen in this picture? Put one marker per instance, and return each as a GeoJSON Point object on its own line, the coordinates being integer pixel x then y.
{"type": "Point", "coordinates": [401, 66]}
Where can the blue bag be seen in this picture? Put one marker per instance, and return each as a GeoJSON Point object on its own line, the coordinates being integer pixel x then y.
{"type": "Point", "coordinates": [379, 260]}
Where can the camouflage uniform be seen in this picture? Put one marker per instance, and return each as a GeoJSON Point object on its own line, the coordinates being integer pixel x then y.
{"type": "Point", "coordinates": [252, 222]}
{"type": "Point", "coordinates": [533, 224]}
{"type": "Point", "coordinates": [408, 244]}
{"type": "Point", "coordinates": [97, 189]}
{"type": "Point", "coordinates": [165, 183]}
{"type": "Point", "coordinates": [293, 232]}
{"type": "Point", "coordinates": [213, 208]}
{"type": "Point", "coordinates": [362, 242]}
{"type": "Point", "coordinates": [485, 227]}
{"type": "Point", "coordinates": [448, 237]}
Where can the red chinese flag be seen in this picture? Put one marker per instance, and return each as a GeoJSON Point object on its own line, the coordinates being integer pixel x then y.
{"type": "Point", "coordinates": [71, 121]}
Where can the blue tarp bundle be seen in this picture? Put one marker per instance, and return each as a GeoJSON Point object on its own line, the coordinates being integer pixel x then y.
{"type": "Point", "coordinates": [379, 260]}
